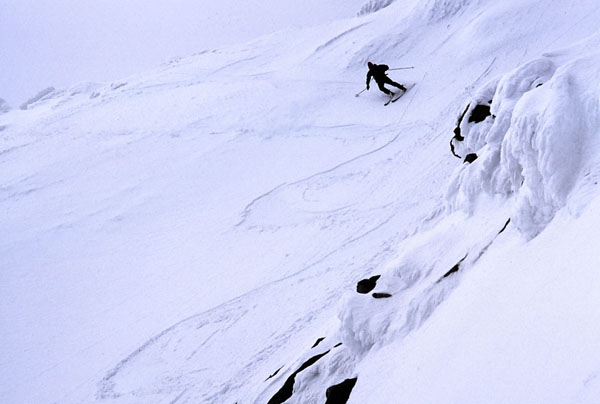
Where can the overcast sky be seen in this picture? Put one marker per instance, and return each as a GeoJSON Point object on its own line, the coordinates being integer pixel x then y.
{"type": "Point", "coordinates": [62, 42]}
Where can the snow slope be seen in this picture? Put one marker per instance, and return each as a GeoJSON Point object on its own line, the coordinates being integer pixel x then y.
{"type": "Point", "coordinates": [187, 234]}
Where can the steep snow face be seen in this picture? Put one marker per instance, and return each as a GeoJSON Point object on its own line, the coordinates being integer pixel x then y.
{"type": "Point", "coordinates": [200, 232]}
{"type": "Point", "coordinates": [538, 140]}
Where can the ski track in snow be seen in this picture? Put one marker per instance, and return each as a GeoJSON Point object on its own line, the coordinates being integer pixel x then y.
{"type": "Point", "coordinates": [248, 209]}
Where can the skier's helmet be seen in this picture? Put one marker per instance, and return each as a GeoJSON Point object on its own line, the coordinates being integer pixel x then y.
{"type": "Point", "coordinates": [370, 65]}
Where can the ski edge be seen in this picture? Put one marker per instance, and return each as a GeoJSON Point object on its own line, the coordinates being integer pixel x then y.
{"type": "Point", "coordinates": [392, 99]}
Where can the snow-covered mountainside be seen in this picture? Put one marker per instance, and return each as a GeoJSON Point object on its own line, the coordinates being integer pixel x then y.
{"type": "Point", "coordinates": [238, 227]}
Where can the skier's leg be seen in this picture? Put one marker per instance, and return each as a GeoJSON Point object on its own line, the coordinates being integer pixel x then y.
{"type": "Point", "coordinates": [382, 88]}
{"type": "Point", "coordinates": [393, 83]}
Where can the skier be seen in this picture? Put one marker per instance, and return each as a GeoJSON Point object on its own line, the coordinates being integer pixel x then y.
{"type": "Point", "coordinates": [381, 78]}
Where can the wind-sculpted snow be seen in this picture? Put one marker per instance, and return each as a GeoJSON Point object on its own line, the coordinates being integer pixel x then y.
{"type": "Point", "coordinates": [372, 6]}
{"type": "Point", "coordinates": [4, 107]}
{"type": "Point", "coordinates": [46, 93]}
{"type": "Point", "coordinates": [436, 10]}
{"type": "Point", "coordinates": [532, 148]}
{"type": "Point", "coordinates": [433, 10]}
{"type": "Point", "coordinates": [417, 284]}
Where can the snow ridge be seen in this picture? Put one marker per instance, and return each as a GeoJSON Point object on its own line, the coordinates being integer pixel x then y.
{"type": "Point", "coordinates": [46, 93]}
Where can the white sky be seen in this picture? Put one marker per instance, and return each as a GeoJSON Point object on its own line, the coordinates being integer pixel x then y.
{"type": "Point", "coordinates": [62, 42]}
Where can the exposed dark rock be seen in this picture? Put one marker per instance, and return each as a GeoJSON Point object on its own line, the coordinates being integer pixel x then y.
{"type": "Point", "coordinates": [318, 342]}
{"type": "Point", "coordinates": [381, 295]}
{"type": "Point", "coordinates": [479, 113]}
{"type": "Point", "coordinates": [367, 285]}
{"type": "Point", "coordinates": [274, 374]}
{"type": "Point", "coordinates": [469, 158]}
{"type": "Point", "coordinates": [287, 389]}
{"type": "Point", "coordinates": [457, 132]}
{"type": "Point", "coordinates": [454, 269]}
{"type": "Point", "coordinates": [541, 84]}
{"type": "Point", "coordinates": [340, 393]}
{"type": "Point", "coordinates": [505, 226]}
{"type": "Point", "coordinates": [462, 116]}
{"type": "Point", "coordinates": [337, 345]}
{"type": "Point", "coordinates": [457, 135]}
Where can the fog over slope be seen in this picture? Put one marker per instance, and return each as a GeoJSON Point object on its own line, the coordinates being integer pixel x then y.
{"type": "Point", "coordinates": [56, 44]}
{"type": "Point", "coordinates": [237, 226]}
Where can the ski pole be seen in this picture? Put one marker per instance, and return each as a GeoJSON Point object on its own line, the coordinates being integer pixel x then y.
{"type": "Point", "coordinates": [363, 90]}
{"type": "Point", "coordinates": [403, 68]}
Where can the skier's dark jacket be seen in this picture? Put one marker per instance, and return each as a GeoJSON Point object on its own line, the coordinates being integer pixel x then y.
{"type": "Point", "coordinates": [378, 73]}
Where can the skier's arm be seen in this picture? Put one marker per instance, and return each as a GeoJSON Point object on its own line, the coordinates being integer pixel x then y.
{"type": "Point", "coordinates": [369, 75]}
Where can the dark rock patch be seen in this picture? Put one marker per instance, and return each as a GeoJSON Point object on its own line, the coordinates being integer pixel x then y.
{"type": "Point", "coordinates": [452, 150]}
{"type": "Point", "coordinates": [381, 295]}
{"type": "Point", "coordinates": [287, 389]}
{"type": "Point", "coordinates": [367, 285]}
{"type": "Point", "coordinates": [461, 117]}
{"type": "Point", "coordinates": [479, 113]}
{"type": "Point", "coordinates": [505, 226]}
{"type": "Point", "coordinates": [457, 132]}
{"type": "Point", "coordinates": [457, 135]}
{"type": "Point", "coordinates": [318, 342]}
{"type": "Point", "coordinates": [274, 374]}
{"type": "Point", "coordinates": [453, 270]}
{"type": "Point", "coordinates": [469, 158]}
{"type": "Point", "coordinates": [338, 344]}
{"type": "Point", "coordinates": [340, 393]}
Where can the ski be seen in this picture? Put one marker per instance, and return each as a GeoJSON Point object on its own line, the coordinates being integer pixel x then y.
{"type": "Point", "coordinates": [392, 99]}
